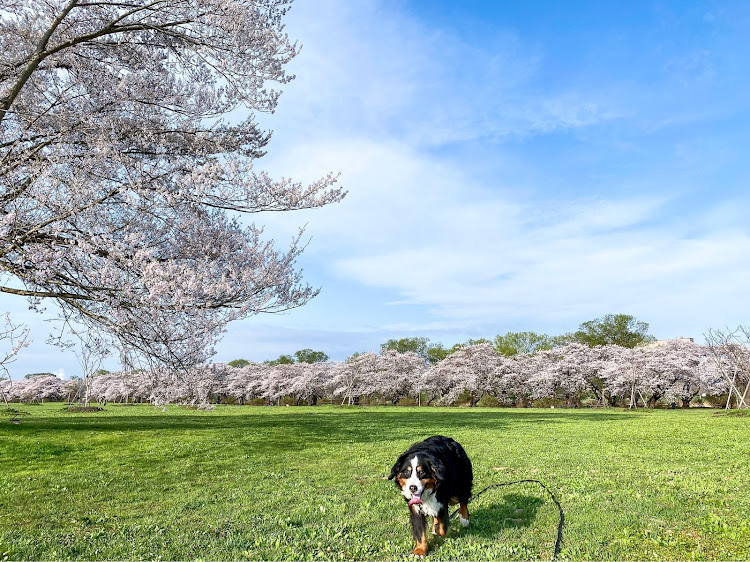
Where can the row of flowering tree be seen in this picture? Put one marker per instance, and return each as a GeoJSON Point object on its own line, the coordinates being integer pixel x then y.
{"type": "Point", "coordinates": [609, 375]}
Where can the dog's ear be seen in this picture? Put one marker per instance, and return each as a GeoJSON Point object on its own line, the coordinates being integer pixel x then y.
{"type": "Point", "coordinates": [437, 469]}
{"type": "Point", "coordinates": [397, 467]}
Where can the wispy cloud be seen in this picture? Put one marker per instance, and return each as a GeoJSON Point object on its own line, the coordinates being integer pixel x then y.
{"type": "Point", "coordinates": [385, 74]}
{"type": "Point", "coordinates": [455, 253]}
{"type": "Point", "coordinates": [529, 177]}
{"type": "Point", "coordinates": [452, 248]}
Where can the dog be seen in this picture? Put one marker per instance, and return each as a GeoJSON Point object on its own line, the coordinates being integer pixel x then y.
{"type": "Point", "coordinates": [432, 475]}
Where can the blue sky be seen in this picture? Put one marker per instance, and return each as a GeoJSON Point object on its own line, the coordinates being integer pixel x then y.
{"type": "Point", "coordinates": [511, 166]}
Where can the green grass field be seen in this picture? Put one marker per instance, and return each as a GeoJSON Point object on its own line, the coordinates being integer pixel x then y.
{"type": "Point", "coordinates": [260, 483]}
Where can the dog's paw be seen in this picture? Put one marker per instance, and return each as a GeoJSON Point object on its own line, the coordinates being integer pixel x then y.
{"type": "Point", "coordinates": [464, 522]}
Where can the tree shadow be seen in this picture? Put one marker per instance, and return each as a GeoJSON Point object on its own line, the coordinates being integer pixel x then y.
{"type": "Point", "coordinates": [268, 429]}
{"type": "Point", "coordinates": [514, 512]}
{"type": "Point", "coordinates": [329, 417]}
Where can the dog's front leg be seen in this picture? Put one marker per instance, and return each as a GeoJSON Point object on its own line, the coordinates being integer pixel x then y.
{"type": "Point", "coordinates": [440, 523]}
{"type": "Point", "coordinates": [419, 531]}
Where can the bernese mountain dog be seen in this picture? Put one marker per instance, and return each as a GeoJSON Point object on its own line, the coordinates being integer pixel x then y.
{"type": "Point", "coordinates": [432, 475]}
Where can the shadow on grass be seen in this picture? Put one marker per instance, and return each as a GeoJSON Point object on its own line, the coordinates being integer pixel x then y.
{"type": "Point", "coordinates": [265, 428]}
{"type": "Point", "coordinates": [514, 512]}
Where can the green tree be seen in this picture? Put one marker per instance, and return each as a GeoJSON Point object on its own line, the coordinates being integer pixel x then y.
{"type": "Point", "coordinates": [282, 360]}
{"type": "Point", "coordinates": [513, 343]}
{"type": "Point", "coordinates": [310, 356]}
{"type": "Point", "coordinates": [32, 375]}
{"type": "Point", "coordinates": [436, 353]}
{"type": "Point", "coordinates": [239, 363]}
{"type": "Point", "coordinates": [404, 345]}
{"type": "Point", "coordinates": [431, 352]}
{"type": "Point", "coordinates": [467, 343]}
{"type": "Point", "coordinates": [618, 329]}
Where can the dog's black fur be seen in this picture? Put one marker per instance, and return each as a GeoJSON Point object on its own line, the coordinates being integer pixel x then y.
{"type": "Point", "coordinates": [444, 477]}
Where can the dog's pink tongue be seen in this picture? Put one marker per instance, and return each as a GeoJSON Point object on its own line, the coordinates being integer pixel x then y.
{"type": "Point", "coordinates": [415, 500]}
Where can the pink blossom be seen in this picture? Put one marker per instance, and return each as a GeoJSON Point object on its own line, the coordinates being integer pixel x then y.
{"type": "Point", "coordinates": [120, 178]}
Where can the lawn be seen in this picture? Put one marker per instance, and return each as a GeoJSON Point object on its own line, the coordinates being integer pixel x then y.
{"type": "Point", "coordinates": [270, 483]}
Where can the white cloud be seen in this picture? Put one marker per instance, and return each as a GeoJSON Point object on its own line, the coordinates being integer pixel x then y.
{"type": "Point", "coordinates": [367, 70]}
{"type": "Point", "coordinates": [449, 244]}
{"type": "Point", "coordinates": [466, 255]}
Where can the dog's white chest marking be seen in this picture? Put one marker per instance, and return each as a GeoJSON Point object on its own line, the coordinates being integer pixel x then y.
{"type": "Point", "coordinates": [429, 506]}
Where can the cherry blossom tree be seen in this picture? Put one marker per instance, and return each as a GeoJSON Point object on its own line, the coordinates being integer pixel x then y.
{"type": "Point", "coordinates": [14, 338]}
{"type": "Point", "coordinates": [659, 372]}
{"type": "Point", "coordinates": [312, 381]}
{"type": "Point", "coordinates": [108, 387]}
{"type": "Point", "coordinates": [277, 380]}
{"type": "Point", "coordinates": [39, 389]}
{"type": "Point", "coordinates": [90, 352]}
{"type": "Point", "coordinates": [513, 373]}
{"type": "Point", "coordinates": [605, 356]}
{"type": "Point", "coordinates": [352, 377]}
{"type": "Point", "coordinates": [569, 370]}
{"type": "Point", "coordinates": [730, 350]}
{"type": "Point", "coordinates": [299, 381]}
{"type": "Point", "coordinates": [243, 383]}
{"type": "Point", "coordinates": [120, 178]}
{"type": "Point", "coordinates": [684, 370]}
{"type": "Point", "coordinates": [702, 378]}
{"type": "Point", "coordinates": [140, 385]}
{"type": "Point", "coordinates": [437, 381]}
{"type": "Point", "coordinates": [470, 369]}
{"type": "Point", "coordinates": [208, 384]}
{"type": "Point", "coordinates": [675, 369]}
{"type": "Point", "coordinates": [5, 386]}
{"type": "Point", "coordinates": [71, 388]}
{"type": "Point", "coordinates": [198, 386]}
{"type": "Point", "coordinates": [36, 389]}
{"type": "Point", "coordinates": [396, 375]}
{"type": "Point", "coordinates": [622, 373]}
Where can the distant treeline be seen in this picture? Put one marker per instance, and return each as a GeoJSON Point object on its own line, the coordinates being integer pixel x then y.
{"type": "Point", "coordinates": [573, 375]}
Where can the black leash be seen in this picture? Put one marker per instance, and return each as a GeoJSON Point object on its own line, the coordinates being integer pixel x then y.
{"type": "Point", "coordinates": [558, 542]}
